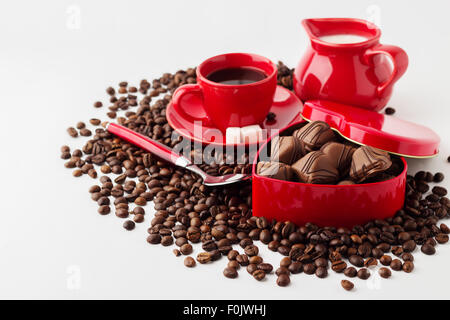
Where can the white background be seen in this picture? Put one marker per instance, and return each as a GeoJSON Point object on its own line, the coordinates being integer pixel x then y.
{"type": "Point", "coordinates": [57, 58]}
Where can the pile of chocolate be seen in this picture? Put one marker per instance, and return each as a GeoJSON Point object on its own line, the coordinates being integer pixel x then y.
{"type": "Point", "coordinates": [315, 154]}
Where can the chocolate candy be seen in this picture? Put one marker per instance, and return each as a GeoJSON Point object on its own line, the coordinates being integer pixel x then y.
{"type": "Point", "coordinates": [316, 167]}
{"type": "Point", "coordinates": [287, 149]}
{"type": "Point", "coordinates": [368, 162]}
{"type": "Point", "coordinates": [315, 134]}
{"type": "Point", "coordinates": [340, 154]}
{"type": "Point", "coordinates": [275, 170]}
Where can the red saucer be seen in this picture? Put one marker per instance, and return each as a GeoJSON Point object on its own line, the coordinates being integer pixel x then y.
{"type": "Point", "coordinates": [286, 107]}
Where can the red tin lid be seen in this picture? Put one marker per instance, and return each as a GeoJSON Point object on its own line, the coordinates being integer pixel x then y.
{"type": "Point", "coordinates": [375, 129]}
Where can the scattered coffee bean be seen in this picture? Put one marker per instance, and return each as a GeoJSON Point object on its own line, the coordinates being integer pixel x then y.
{"type": "Point", "coordinates": [407, 257]}
{"type": "Point", "coordinates": [154, 238]}
{"type": "Point", "coordinates": [204, 257]}
{"type": "Point", "coordinates": [357, 261]}
{"type": "Point", "coordinates": [229, 272]}
{"type": "Point", "coordinates": [129, 225]}
{"type": "Point", "coordinates": [350, 272]}
{"type": "Point", "coordinates": [283, 280]}
{"type": "Point", "coordinates": [321, 272]}
{"type": "Point", "coordinates": [282, 270]}
{"type": "Point", "coordinates": [259, 274]}
{"type": "Point", "coordinates": [428, 249]}
{"type": "Point", "coordinates": [385, 260]}
{"type": "Point", "coordinates": [103, 210]}
{"type": "Point", "coordinates": [189, 262]}
{"type": "Point", "coordinates": [438, 177]}
{"type": "Point", "coordinates": [347, 285]}
{"type": "Point", "coordinates": [370, 262]}
{"type": "Point", "coordinates": [408, 266]}
{"type": "Point", "coordinates": [266, 267]}
{"type": "Point", "coordinates": [167, 241]}
{"type": "Point", "coordinates": [389, 110]}
{"type": "Point", "coordinates": [338, 266]}
{"type": "Point", "coordinates": [295, 267]}
{"type": "Point", "coordinates": [384, 272]}
{"type": "Point", "coordinates": [72, 132]}
{"type": "Point", "coordinates": [186, 249]}
{"type": "Point", "coordinates": [252, 268]}
{"type": "Point", "coordinates": [363, 273]}
{"type": "Point", "coordinates": [396, 265]}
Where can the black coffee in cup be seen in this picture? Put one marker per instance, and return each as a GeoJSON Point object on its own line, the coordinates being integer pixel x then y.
{"type": "Point", "coordinates": [236, 76]}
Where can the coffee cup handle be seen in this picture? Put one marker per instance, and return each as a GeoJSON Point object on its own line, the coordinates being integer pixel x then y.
{"type": "Point", "coordinates": [399, 60]}
{"type": "Point", "coordinates": [182, 91]}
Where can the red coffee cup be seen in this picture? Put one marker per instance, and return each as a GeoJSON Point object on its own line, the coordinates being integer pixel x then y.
{"type": "Point", "coordinates": [233, 105]}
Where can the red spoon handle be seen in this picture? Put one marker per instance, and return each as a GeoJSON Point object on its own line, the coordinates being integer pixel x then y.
{"type": "Point", "coordinates": [150, 145]}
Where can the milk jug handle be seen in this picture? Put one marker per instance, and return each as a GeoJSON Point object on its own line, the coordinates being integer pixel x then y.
{"type": "Point", "coordinates": [399, 60]}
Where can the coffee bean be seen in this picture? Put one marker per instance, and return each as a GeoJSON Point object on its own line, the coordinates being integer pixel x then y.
{"type": "Point", "coordinates": [229, 272]}
{"type": "Point", "coordinates": [370, 262]}
{"type": "Point", "coordinates": [386, 260]}
{"type": "Point", "coordinates": [232, 254]}
{"type": "Point", "coordinates": [438, 177]}
{"type": "Point", "coordinates": [357, 261]}
{"type": "Point", "coordinates": [321, 262]}
{"type": "Point", "coordinates": [389, 111]}
{"type": "Point", "coordinates": [242, 259]}
{"type": "Point", "coordinates": [94, 189]}
{"type": "Point", "coordinates": [441, 238]}
{"type": "Point", "coordinates": [99, 104]}
{"type": "Point", "coordinates": [251, 250]}
{"type": "Point", "coordinates": [282, 270]}
{"type": "Point", "coordinates": [204, 257]}
{"type": "Point", "coordinates": [265, 236]}
{"type": "Point", "coordinates": [138, 218]}
{"type": "Point", "coordinates": [283, 280]}
{"type": "Point", "coordinates": [396, 265]}
{"type": "Point", "coordinates": [186, 249]}
{"type": "Point", "coordinates": [295, 267]}
{"type": "Point", "coordinates": [309, 268]}
{"type": "Point", "coordinates": [154, 239]}
{"type": "Point", "coordinates": [338, 266]}
{"type": "Point", "coordinates": [409, 246]}
{"type": "Point", "coordinates": [233, 264]}
{"type": "Point", "coordinates": [266, 267]}
{"type": "Point", "coordinates": [428, 249]}
{"type": "Point", "coordinates": [256, 260]}
{"type": "Point", "coordinates": [285, 262]}
{"type": "Point", "coordinates": [407, 257]}
{"type": "Point", "coordinates": [167, 241]}
{"type": "Point", "coordinates": [408, 266]}
{"type": "Point", "coordinates": [384, 272]}
{"type": "Point", "coordinates": [72, 132]}
{"type": "Point", "coordinates": [347, 285]}
{"type": "Point", "coordinates": [122, 213]}
{"type": "Point", "coordinates": [321, 272]}
{"type": "Point", "coordinates": [259, 274]}
{"type": "Point", "coordinates": [104, 209]}
{"type": "Point", "coordinates": [350, 272]}
{"type": "Point", "coordinates": [252, 268]}
{"type": "Point", "coordinates": [189, 262]}
{"type": "Point", "coordinates": [440, 191]}
{"type": "Point", "coordinates": [363, 274]}
{"type": "Point", "coordinates": [128, 225]}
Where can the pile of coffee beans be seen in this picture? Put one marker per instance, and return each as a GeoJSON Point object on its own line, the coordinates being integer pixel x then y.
{"type": "Point", "coordinates": [220, 218]}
